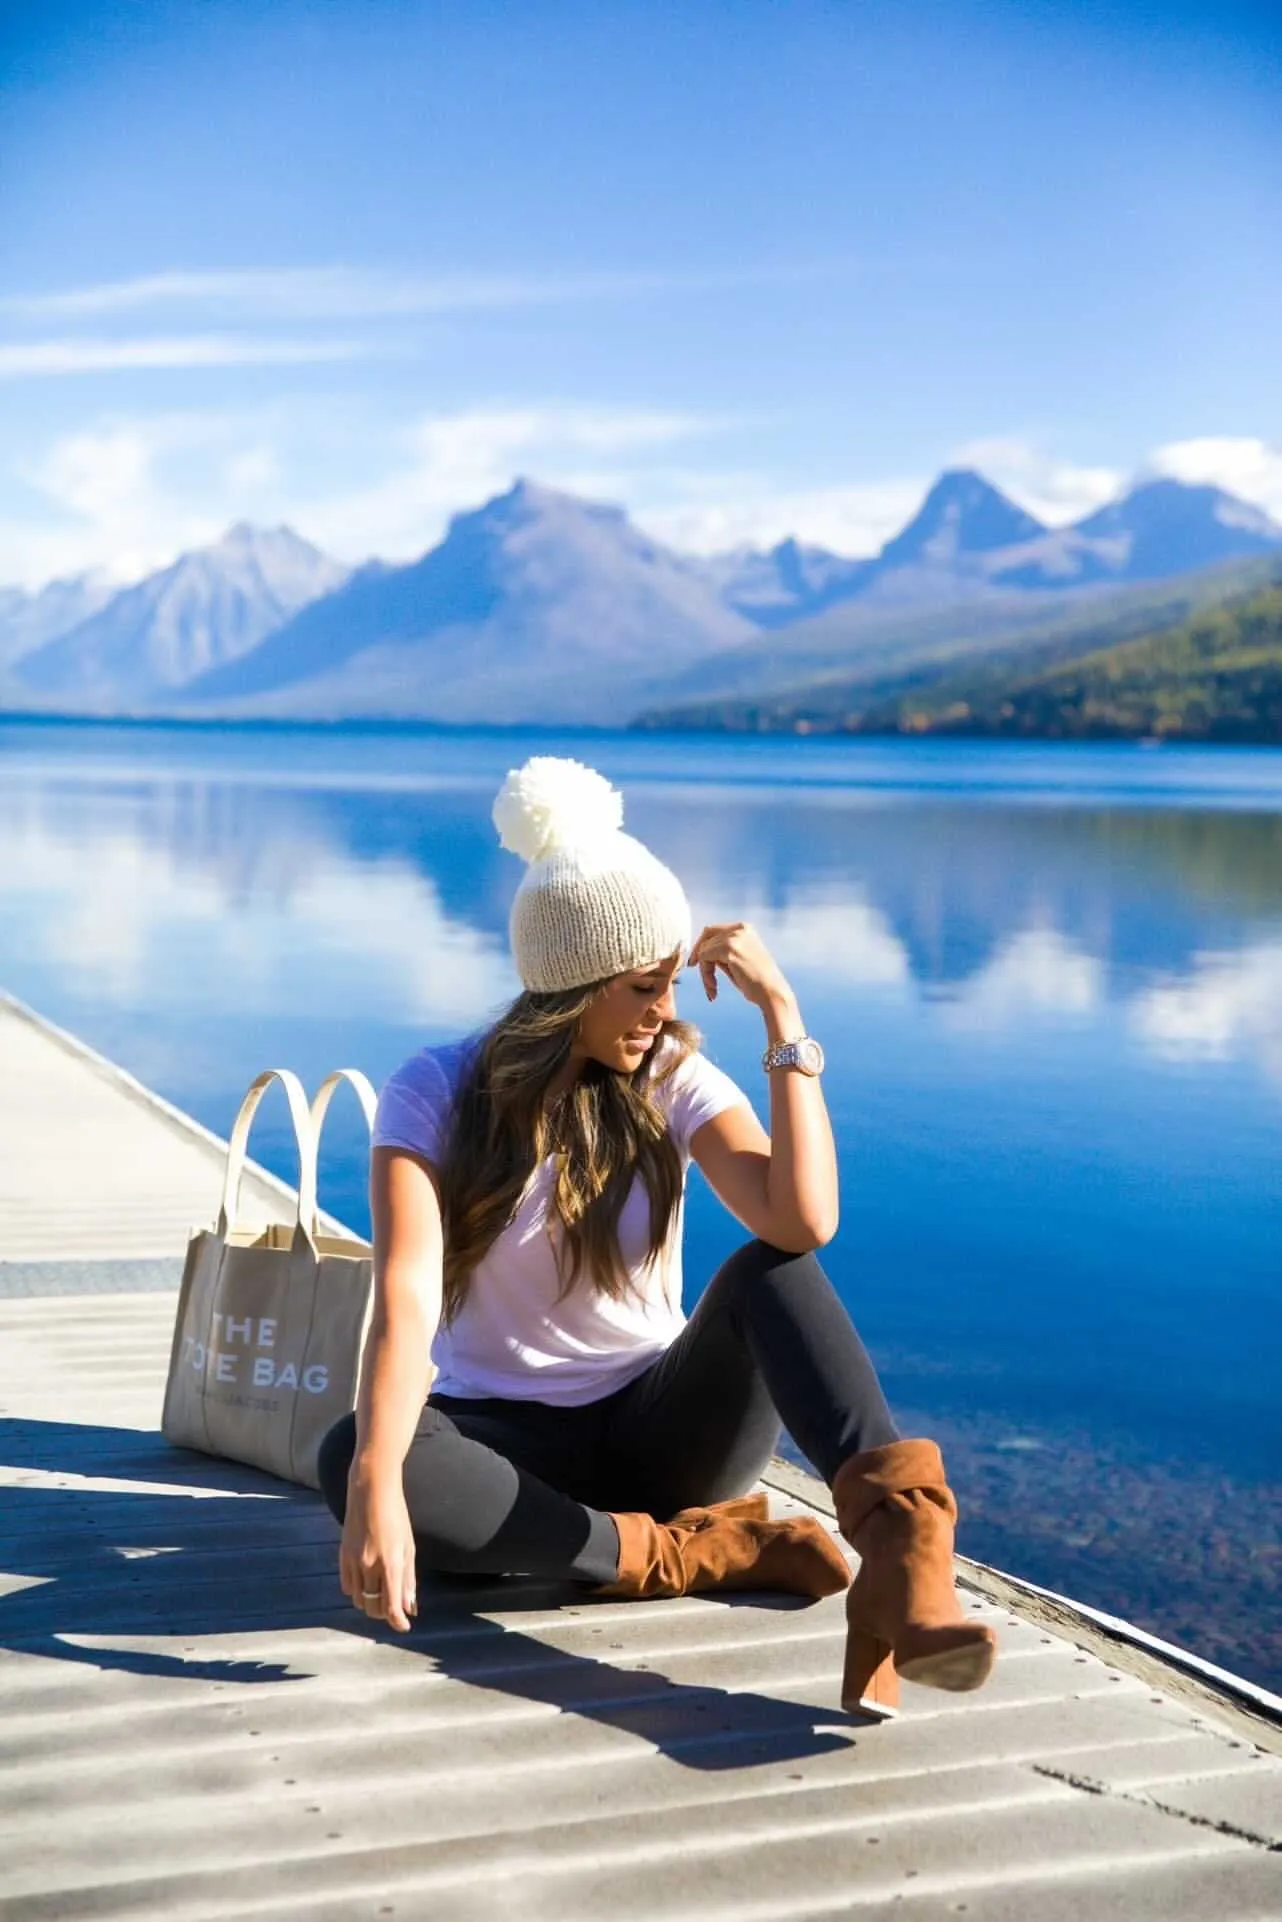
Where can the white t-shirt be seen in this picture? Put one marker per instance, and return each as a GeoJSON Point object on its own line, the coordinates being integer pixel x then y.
{"type": "Point", "coordinates": [512, 1337]}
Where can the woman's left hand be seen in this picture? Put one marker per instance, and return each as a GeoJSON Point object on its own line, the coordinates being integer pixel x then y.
{"type": "Point", "coordinates": [738, 950]}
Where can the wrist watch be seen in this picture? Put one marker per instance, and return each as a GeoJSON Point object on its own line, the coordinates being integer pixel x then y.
{"type": "Point", "coordinates": [804, 1054]}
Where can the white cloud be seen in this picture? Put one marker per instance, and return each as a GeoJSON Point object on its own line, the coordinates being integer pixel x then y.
{"type": "Point", "coordinates": [252, 469]}
{"type": "Point", "coordinates": [1241, 464]}
{"type": "Point", "coordinates": [445, 462]}
{"type": "Point", "coordinates": [42, 358]}
{"type": "Point", "coordinates": [736, 510]}
{"type": "Point", "coordinates": [710, 511]}
{"type": "Point", "coordinates": [1038, 970]}
{"type": "Point", "coordinates": [1228, 1005]}
{"type": "Point", "coordinates": [90, 472]}
{"type": "Point", "coordinates": [352, 293]}
{"type": "Point", "coordinates": [1056, 491]}
{"type": "Point", "coordinates": [130, 494]}
{"type": "Point", "coordinates": [113, 508]}
{"type": "Point", "coordinates": [1061, 491]}
{"type": "Point", "coordinates": [130, 498]}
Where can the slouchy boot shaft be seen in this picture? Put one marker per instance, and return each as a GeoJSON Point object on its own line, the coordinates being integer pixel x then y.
{"type": "Point", "coordinates": [897, 1511]}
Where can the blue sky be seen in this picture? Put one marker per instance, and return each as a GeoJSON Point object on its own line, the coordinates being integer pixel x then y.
{"type": "Point", "coordinates": [749, 268]}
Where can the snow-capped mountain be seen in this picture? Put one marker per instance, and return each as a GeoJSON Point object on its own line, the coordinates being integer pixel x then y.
{"type": "Point", "coordinates": [1167, 526]}
{"type": "Point", "coordinates": [212, 606]}
{"type": "Point", "coordinates": [784, 583]}
{"type": "Point", "coordinates": [535, 607]}
{"type": "Point", "coordinates": [29, 620]}
{"type": "Point", "coordinates": [969, 540]}
{"type": "Point", "coordinates": [962, 517]}
{"type": "Point", "coordinates": [539, 607]}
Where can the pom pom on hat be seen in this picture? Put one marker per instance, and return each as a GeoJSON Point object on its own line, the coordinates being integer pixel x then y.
{"type": "Point", "coordinates": [594, 902]}
{"type": "Point", "coordinates": [551, 803]}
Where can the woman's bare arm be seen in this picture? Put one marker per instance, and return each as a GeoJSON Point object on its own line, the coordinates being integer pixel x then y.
{"type": "Point", "coordinates": [782, 1186]}
{"type": "Point", "coordinates": [408, 1250]}
{"type": "Point", "coordinates": [376, 1560]}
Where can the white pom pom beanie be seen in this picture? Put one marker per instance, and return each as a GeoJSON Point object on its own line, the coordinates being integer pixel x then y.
{"type": "Point", "coordinates": [593, 902]}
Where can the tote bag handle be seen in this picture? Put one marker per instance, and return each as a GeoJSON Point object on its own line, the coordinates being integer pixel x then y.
{"type": "Point", "coordinates": [304, 1139]}
{"type": "Point", "coordinates": [364, 1092]}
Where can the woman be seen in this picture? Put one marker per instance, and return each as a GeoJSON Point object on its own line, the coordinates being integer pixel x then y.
{"type": "Point", "coordinates": [527, 1190]}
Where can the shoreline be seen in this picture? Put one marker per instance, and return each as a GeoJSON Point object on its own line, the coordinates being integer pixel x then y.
{"type": "Point", "coordinates": [929, 740]}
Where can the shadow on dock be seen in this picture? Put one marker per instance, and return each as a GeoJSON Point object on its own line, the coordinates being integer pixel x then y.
{"type": "Point", "coordinates": [183, 1556]}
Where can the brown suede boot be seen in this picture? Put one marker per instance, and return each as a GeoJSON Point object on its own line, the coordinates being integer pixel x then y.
{"type": "Point", "coordinates": [897, 1511]}
{"type": "Point", "coordinates": [706, 1548]}
{"type": "Point", "coordinates": [743, 1508]}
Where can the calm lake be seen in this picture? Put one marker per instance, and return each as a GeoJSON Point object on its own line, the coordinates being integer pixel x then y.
{"type": "Point", "coordinates": [1049, 983]}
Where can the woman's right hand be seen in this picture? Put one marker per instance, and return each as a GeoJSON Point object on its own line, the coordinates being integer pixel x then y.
{"type": "Point", "coordinates": [376, 1556]}
{"type": "Point", "coordinates": [376, 1559]}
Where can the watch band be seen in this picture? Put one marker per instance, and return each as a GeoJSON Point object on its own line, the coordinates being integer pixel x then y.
{"type": "Point", "coordinates": [804, 1054]}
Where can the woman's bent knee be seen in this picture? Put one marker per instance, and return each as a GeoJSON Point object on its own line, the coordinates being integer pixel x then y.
{"type": "Point", "coordinates": [333, 1464]}
{"type": "Point", "coordinates": [756, 1260]}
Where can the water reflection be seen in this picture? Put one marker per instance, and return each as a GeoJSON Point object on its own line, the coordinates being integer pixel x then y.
{"type": "Point", "coordinates": [1037, 970]}
{"type": "Point", "coordinates": [206, 893]}
{"type": "Point", "coordinates": [253, 901]}
{"type": "Point", "coordinates": [1227, 1004]}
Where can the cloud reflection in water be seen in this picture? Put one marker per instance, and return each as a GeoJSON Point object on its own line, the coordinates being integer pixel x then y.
{"type": "Point", "coordinates": [183, 891]}
{"type": "Point", "coordinates": [1227, 1006]}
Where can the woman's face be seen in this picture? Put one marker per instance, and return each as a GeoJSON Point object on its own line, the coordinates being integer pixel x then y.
{"type": "Point", "coordinates": [625, 1020]}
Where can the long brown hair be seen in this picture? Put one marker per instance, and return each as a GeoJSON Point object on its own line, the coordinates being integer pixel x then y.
{"type": "Point", "coordinates": [605, 1131]}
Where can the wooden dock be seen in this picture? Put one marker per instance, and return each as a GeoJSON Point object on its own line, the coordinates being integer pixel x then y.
{"type": "Point", "coordinates": [194, 1724]}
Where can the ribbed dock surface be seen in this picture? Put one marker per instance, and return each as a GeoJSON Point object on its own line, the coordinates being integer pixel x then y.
{"type": "Point", "coordinates": [193, 1723]}
{"type": "Point", "coordinates": [101, 1182]}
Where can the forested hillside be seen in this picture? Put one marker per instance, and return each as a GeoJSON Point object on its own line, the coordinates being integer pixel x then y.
{"type": "Point", "coordinates": [1215, 675]}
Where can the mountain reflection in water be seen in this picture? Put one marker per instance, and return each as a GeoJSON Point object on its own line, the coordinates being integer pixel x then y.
{"type": "Point", "coordinates": [1049, 982]}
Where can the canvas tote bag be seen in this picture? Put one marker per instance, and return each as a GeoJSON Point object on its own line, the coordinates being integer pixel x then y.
{"type": "Point", "coordinates": [271, 1321]}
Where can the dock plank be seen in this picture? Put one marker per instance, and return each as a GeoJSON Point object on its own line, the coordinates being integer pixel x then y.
{"type": "Point", "coordinates": [95, 1168]}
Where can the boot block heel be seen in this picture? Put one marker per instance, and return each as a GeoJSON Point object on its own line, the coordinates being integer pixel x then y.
{"type": "Point", "coordinates": [869, 1685]}
{"type": "Point", "coordinates": [958, 1658]}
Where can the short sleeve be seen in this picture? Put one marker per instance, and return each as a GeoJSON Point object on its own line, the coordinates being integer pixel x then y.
{"type": "Point", "coordinates": [414, 1107]}
{"type": "Point", "coordinates": [695, 1092]}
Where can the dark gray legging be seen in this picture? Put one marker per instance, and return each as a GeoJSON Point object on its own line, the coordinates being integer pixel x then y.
{"type": "Point", "coordinates": [523, 1487]}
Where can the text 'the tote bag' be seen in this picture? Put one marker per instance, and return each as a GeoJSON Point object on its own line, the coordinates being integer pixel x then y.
{"type": "Point", "coordinates": [271, 1321]}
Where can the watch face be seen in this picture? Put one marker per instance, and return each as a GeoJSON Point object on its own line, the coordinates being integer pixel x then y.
{"type": "Point", "coordinates": [810, 1056]}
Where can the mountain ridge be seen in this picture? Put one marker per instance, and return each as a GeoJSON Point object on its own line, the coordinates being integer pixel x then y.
{"type": "Point", "coordinates": [210, 604]}
{"type": "Point", "coordinates": [931, 683]}
{"type": "Point", "coordinates": [535, 605]}
{"type": "Point", "coordinates": [538, 605]}
{"type": "Point", "coordinates": [31, 618]}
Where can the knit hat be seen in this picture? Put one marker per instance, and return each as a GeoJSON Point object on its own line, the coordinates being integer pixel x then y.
{"type": "Point", "coordinates": [593, 902]}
